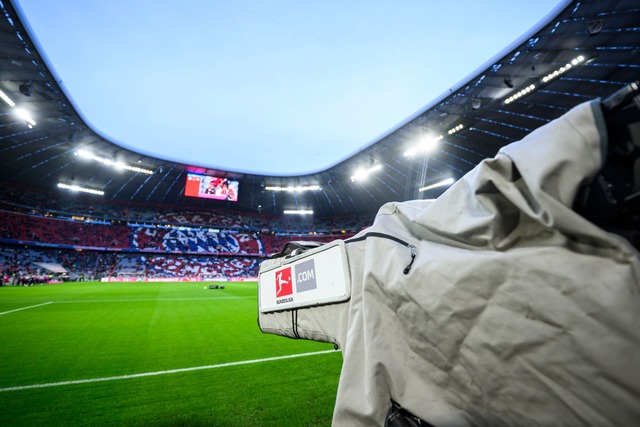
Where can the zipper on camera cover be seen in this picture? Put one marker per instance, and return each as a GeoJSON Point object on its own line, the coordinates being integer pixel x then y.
{"type": "Point", "coordinates": [412, 248]}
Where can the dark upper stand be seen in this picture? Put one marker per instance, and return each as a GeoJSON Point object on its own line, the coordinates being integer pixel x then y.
{"type": "Point", "coordinates": [612, 200]}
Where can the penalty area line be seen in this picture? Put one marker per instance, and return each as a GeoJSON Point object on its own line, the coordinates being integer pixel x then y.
{"type": "Point", "coordinates": [25, 308]}
{"type": "Point", "coordinates": [171, 371]}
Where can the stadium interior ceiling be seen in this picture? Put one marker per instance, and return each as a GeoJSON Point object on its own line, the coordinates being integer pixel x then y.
{"type": "Point", "coordinates": [588, 49]}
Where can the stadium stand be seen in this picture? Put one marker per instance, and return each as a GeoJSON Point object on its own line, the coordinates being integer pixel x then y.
{"type": "Point", "coordinates": [92, 241]}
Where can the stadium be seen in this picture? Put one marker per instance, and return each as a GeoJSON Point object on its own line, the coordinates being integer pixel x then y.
{"type": "Point", "coordinates": [130, 298]}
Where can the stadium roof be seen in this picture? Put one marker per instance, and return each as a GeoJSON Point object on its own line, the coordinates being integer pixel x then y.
{"type": "Point", "coordinates": [588, 49]}
{"type": "Point", "coordinates": [299, 86]}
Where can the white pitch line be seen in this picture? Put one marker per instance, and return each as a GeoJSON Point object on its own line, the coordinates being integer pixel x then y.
{"type": "Point", "coordinates": [150, 299]}
{"type": "Point", "coordinates": [25, 308]}
{"type": "Point", "coordinates": [171, 371]}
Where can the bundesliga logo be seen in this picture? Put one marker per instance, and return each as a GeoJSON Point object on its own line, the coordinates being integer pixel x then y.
{"type": "Point", "coordinates": [305, 279]}
{"type": "Point", "coordinates": [284, 283]}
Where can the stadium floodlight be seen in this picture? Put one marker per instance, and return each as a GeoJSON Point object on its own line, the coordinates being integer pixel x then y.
{"type": "Point", "coordinates": [427, 144]}
{"type": "Point", "coordinates": [118, 165]}
{"type": "Point", "coordinates": [292, 189]}
{"type": "Point", "coordinates": [520, 94]}
{"type": "Point", "coordinates": [6, 99]}
{"type": "Point", "coordinates": [80, 189]}
{"type": "Point", "coordinates": [298, 212]}
{"type": "Point", "coordinates": [24, 115]}
{"type": "Point", "coordinates": [362, 174]}
{"type": "Point", "coordinates": [447, 181]}
{"type": "Point", "coordinates": [20, 112]}
{"type": "Point", "coordinates": [455, 129]}
{"type": "Point", "coordinates": [546, 79]}
{"type": "Point", "coordinates": [576, 61]}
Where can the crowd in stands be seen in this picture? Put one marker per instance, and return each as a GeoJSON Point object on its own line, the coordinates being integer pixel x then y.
{"type": "Point", "coordinates": [22, 265]}
{"type": "Point", "coordinates": [18, 262]}
{"type": "Point", "coordinates": [207, 267]}
{"type": "Point", "coordinates": [15, 199]}
{"type": "Point", "coordinates": [93, 240]}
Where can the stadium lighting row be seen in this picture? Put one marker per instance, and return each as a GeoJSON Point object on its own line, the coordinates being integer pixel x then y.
{"type": "Point", "coordinates": [20, 112]}
{"type": "Point", "coordinates": [292, 189]}
{"type": "Point", "coordinates": [118, 165]}
{"type": "Point", "coordinates": [363, 174]}
{"type": "Point", "coordinates": [546, 79]}
{"type": "Point", "coordinates": [298, 212]}
{"type": "Point", "coordinates": [447, 181]}
{"type": "Point", "coordinates": [24, 115]}
{"type": "Point", "coordinates": [576, 61]}
{"type": "Point", "coordinates": [81, 189]}
{"type": "Point", "coordinates": [428, 142]}
{"type": "Point", "coordinates": [108, 162]}
{"type": "Point", "coordinates": [453, 130]}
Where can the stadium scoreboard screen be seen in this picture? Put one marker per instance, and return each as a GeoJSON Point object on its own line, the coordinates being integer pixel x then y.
{"type": "Point", "coordinates": [211, 187]}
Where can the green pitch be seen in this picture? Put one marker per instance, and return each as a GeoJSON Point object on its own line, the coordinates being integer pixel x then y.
{"type": "Point", "coordinates": [155, 354]}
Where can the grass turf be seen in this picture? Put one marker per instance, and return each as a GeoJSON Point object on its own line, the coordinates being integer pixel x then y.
{"type": "Point", "coordinates": [99, 330]}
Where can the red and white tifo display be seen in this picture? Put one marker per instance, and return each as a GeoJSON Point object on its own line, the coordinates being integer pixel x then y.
{"type": "Point", "coordinates": [318, 276]}
{"type": "Point", "coordinates": [178, 279]}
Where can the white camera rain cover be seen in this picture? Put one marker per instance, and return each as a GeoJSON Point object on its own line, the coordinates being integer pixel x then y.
{"type": "Point", "coordinates": [315, 277]}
